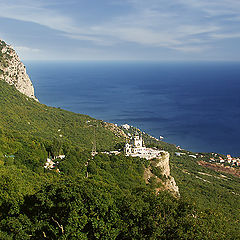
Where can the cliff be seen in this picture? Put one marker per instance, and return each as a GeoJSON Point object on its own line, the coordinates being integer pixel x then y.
{"type": "Point", "coordinates": [159, 173]}
{"type": "Point", "coordinates": [13, 71]}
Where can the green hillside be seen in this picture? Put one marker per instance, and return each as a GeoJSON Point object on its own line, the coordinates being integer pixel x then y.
{"type": "Point", "coordinates": [101, 197]}
{"type": "Point", "coordinates": [209, 190]}
{"type": "Point", "coordinates": [22, 115]}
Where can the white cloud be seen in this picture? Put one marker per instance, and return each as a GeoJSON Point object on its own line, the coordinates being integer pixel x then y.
{"type": "Point", "coordinates": [26, 49]}
{"type": "Point", "coordinates": [196, 29]}
{"type": "Point", "coordinates": [225, 35]}
{"type": "Point", "coordinates": [183, 25]}
{"type": "Point", "coordinates": [191, 49]}
{"type": "Point", "coordinates": [214, 7]}
{"type": "Point", "coordinates": [35, 12]}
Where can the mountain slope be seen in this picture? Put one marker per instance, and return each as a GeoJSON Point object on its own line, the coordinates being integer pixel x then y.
{"type": "Point", "coordinates": [23, 115]}
{"type": "Point", "coordinates": [104, 199]}
{"type": "Point", "coordinates": [102, 196]}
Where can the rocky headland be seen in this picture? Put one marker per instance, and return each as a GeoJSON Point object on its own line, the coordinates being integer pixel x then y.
{"type": "Point", "coordinates": [159, 172]}
{"type": "Point", "coordinates": [13, 71]}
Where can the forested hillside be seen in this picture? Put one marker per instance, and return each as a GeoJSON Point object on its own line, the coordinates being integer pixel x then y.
{"type": "Point", "coordinates": [212, 191]}
{"type": "Point", "coordinates": [100, 197]}
{"type": "Point", "coordinates": [22, 115]}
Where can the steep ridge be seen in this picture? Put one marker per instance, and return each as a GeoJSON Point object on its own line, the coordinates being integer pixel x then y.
{"type": "Point", "coordinates": [13, 71]}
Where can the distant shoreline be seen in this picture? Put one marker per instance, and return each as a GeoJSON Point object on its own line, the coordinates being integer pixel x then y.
{"type": "Point", "coordinates": [194, 107]}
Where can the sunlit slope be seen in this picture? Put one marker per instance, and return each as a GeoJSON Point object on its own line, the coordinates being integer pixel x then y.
{"type": "Point", "coordinates": [207, 188]}
{"type": "Point", "coordinates": [20, 114]}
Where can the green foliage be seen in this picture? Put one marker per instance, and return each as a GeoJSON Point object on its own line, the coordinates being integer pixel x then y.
{"type": "Point", "coordinates": [101, 197]}
{"type": "Point", "coordinates": [20, 114]}
{"type": "Point", "coordinates": [208, 189]}
{"type": "Point", "coordinates": [89, 209]}
{"type": "Point", "coordinates": [158, 172]}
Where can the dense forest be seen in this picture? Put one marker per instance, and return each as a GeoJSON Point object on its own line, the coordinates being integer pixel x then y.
{"type": "Point", "coordinates": [100, 197]}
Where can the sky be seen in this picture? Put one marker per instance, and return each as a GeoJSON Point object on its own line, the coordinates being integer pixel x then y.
{"type": "Point", "coordinates": [154, 30]}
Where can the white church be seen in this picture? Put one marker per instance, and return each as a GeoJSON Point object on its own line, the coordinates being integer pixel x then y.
{"type": "Point", "coordinates": [136, 149]}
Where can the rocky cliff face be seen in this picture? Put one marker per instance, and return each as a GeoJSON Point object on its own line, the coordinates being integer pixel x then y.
{"type": "Point", "coordinates": [13, 71]}
{"type": "Point", "coordinates": [159, 171]}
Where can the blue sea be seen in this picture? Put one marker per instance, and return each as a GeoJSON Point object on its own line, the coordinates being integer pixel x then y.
{"type": "Point", "coordinates": [194, 105]}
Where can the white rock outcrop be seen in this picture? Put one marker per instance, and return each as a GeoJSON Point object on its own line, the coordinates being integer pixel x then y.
{"type": "Point", "coordinates": [164, 165]}
{"type": "Point", "coordinates": [13, 71]}
{"type": "Point", "coordinates": [168, 182]}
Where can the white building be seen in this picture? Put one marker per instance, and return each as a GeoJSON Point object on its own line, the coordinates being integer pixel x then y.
{"type": "Point", "coordinates": [61, 157]}
{"type": "Point", "coordinates": [126, 126]}
{"type": "Point", "coordinates": [179, 154]}
{"type": "Point", "coordinates": [137, 149]}
{"type": "Point", "coordinates": [49, 164]}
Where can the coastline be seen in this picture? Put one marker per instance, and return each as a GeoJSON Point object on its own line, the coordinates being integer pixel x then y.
{"type": "Point", "coordinates": [171, 108]}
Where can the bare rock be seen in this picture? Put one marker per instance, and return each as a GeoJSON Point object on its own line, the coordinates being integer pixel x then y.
{"type": "Point", "coordinates": [13, 71]}
{"type": "Point", "coordinates": [166, 180]}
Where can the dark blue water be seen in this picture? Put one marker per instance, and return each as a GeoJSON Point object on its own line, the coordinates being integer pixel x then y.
{"type": "Point", "coordinates": [194, 105]}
